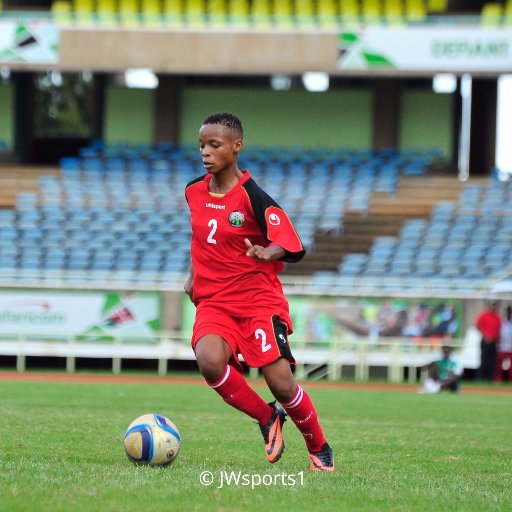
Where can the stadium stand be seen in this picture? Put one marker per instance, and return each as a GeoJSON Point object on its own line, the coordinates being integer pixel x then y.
{"type": "Point", "coordinates": [121, 208]}
{"type": "Point", "coordinates": [259, 14]}
{"type": "Point", "coordinates": [463, 243]}
{"type": "Point", "coordinates": [119, 211]}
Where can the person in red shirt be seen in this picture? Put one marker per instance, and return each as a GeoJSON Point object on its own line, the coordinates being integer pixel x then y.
{"type": "Point", "coordinates": [489, 325]}
{"type": "Point", "coordinates": [240, 240]}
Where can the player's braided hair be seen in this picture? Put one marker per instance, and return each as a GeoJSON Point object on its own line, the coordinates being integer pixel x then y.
{"type": "Point", "coordinates": [228, 120]}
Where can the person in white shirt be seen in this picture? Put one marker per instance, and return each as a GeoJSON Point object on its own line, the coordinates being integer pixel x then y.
{"type": "Point", "coordinates": [505, 347]}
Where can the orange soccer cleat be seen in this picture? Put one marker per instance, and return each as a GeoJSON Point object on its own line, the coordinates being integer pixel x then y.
{"type": "Point", "coordinates": [272, 434]}
{"type": "Point", "coordinates": [322, 460]}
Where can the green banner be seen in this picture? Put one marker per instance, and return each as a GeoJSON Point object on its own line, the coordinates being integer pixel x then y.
{"type": "Point", "coordinates": [86, 315]}
{"type": "Point", "coordinates": [29, 41]}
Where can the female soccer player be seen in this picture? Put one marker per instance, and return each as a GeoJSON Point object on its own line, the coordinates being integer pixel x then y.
{"type": "Point", "coordinates": [240, 239]}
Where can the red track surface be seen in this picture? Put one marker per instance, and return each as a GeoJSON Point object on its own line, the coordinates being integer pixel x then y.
{"type": "Point", "coordinates": [198, 381]}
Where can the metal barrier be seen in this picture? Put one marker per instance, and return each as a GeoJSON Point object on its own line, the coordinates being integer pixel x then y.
{"type": "Point", "coordinates": [393, 359]}
{"type": "Point", "coordinates": [359, 359]}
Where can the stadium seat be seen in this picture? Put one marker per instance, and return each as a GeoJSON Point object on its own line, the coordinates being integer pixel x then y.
{"type": "Point", "coordinates": [129, 12]}
{"type": "Point", "coordinates": [415, 11]}
{"type": "Point", "coordinates": [327, 12]}
{"type": "Point", "coordinates": [371, 12]}
{"type": "Point", "coordinates": [151, 12]}
{"type": "Point", "coordinates": [62, 12]}
{"type": "Point", "coordinates": [349, 12]}
{"type": "Point", "coordinates": [194, 11]}
{"type": "Point", "coordinates": [437, 6]}
{"type": "Point", "coordinates": [261, 13]}
{"type": "Point", "coordinates": [217, 12]}
{"type": "Point", "coordinates": [393, 12]}
{"type": "Point", "coordinates": [84, 11]}
{"type": "Point", "coordinates": [491, 14]}
{"type": "Point", "coordinates": [284, 16]}
{"type": "Point", "coordinates": [304, 13]}
{"type": "Point", "coordinates": [173, 12]}
{"type": "Point", "coordinates": [507, 14]}
{"type": "Point", "coordinates": [106, 12]}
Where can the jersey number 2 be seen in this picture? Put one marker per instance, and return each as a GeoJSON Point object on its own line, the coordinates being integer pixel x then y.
{"type": "Point", "coordinates": [212, 223]}
{"type": "Point", "coordinates": [261, 335]}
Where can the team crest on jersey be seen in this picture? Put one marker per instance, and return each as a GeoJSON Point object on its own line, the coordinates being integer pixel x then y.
{"type": "Point", "coordinates": [236, 219]}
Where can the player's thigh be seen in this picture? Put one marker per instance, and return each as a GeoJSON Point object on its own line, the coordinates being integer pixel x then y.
{"type": "Point", "coordinates": [214, 340]}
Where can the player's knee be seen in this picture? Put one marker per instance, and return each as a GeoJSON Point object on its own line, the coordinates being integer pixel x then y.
{"type": "Point", "coordinates": [211, 370]}
{"type": "Point", "coordinates": [282, 390]}
{"type": "Point", "coordinates": [211, 367]}
{"type": "Point", "coordinates": [212, 356]}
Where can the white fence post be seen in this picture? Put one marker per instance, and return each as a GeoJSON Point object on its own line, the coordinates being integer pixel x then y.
{"type": "Point", "coordinates": [334, 365]}
{"type": "Point", "coordinates": [361, 370]}
{"type": "Point", "coordinates": [21, 359]}
{"type": "Point", "coordinates": [394, 366]}
{"type": "Point", "coordinates": [116, 360]}
{"type": "Point", "coordinates": [162, 360]}
{"type": "Point", "coordinates": [70, 359]}
{"type": "Point", "coordinates": [300, 370]}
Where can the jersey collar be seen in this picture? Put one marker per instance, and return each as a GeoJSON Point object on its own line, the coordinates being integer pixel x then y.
{"type": "Point", "coordinates": [246, 176]}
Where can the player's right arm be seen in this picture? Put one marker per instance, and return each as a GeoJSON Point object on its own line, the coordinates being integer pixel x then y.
{"type": "Point", "coordinates": [189, 283]}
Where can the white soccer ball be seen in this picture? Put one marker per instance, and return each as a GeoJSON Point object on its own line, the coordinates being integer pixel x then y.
{"type": "Point", "coordinates": [152, 440]}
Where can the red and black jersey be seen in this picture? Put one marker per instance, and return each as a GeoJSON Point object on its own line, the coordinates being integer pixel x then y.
{"type": "Point", "coordinates": [223, 274]}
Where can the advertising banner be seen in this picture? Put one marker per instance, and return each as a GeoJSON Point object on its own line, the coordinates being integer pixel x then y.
{"type": "Point", "coordinates": [88, 316]}
{"type": "Point", "coordinates": [31, 42]}
{"type": "Point", "coordinates": [321, 319]}
{"type": "Point", "coordinates": [450, 49]}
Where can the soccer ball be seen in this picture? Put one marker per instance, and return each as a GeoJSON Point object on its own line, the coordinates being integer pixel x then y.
{"type": "Point", "coordinates": [152, 440]}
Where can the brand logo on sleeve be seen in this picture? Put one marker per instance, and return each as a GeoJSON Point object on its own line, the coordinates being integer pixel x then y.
{"type": "Point", "coordinates": [236, 219]}
{"type": "Point", "coordinates": [274, 219]}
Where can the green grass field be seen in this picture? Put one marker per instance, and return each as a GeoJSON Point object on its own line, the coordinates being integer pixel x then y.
{"type": "Point", "coordinates": [61, 449]}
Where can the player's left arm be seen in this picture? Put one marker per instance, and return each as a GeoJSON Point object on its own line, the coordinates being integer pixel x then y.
{"type": "Point", "coordinates": [275, 226]}
{"type": "Point", "coordinates": [281, 232]}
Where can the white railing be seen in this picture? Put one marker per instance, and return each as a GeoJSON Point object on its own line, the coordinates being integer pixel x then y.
{"type": "Point", "coordinates": [391, 356]}
{"type": "Point", "coordinates": [314, 360]}
{"type": "Point", "coordinates": [167, 346]}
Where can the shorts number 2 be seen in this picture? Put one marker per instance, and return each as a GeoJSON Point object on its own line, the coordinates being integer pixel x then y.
{"type": "Point", "coordinates": [261, 335]}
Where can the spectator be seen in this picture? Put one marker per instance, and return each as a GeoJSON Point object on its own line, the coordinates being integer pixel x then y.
{"type": "Point", "coordinates": [489, 325]}
{"type": "Point", "coordinates": [444, 373]}
{"type": "Point", "coordinates": [505, 348]}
